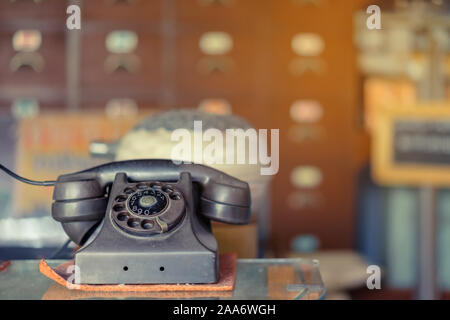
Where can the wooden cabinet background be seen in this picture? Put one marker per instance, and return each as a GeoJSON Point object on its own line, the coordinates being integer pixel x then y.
{"type": "Point", "coordinates": [258, 85]}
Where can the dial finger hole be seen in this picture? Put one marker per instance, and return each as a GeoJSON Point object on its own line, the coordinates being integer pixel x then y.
{"type": "Point", "coordinates": [133, 223]}
{"type": "Point", "coordinates": [156, 185]}
{"type": "Point", "coordinates": [167, 189]}
{"type": "Point", "coordinates": [121, 198]}
{"type": "Point", "coordinates": [129, 190]}
{"type": "Point", "coordinates": [118, 207]}
{"type": "Point", "coordinates": [122, 216]}
{"type": "Point", "coordinates": [142, 186]}
{"type": "Point", "coordinates": [175, 196]}
{"type": "Point", "coordinates": [147, 224]}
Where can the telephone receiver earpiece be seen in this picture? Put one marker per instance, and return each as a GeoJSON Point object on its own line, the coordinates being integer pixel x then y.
{"type": "Point", "coordinates": [81, 198]}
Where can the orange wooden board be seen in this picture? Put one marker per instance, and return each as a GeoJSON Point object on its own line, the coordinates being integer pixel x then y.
{"type": "Point", "coordinates": [227, 269]}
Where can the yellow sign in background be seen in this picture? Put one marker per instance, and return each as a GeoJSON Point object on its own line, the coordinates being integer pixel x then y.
{"type": "Point", "coordinates": [385, 170]}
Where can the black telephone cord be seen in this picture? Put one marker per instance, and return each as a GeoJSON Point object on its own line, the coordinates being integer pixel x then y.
{"type": "Point", "coordinates": [25, 180]}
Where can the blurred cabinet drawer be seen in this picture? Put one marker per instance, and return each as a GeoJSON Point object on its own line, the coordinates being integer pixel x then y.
{"type": "Point", "coordinates": [42, 66]}
{"type": "Point", "coordinates": [215, 61]}
{"type": "Point", "coordinates": [312, 118]}
{"type": "Point", "coordinates": [311, 203]}
{"type": "Point", "coordinates": [116, 11]}
{"type": "Point", "coordinates": [139, 66]}
{"type": "Point", "coordinates": [316, 176]}
{"type": "Point", "coordinates": [24, 10]}
{"type": "Point", "coordinates": [231, 13]}
{"type": "Point", "coordinates": [305, 61]}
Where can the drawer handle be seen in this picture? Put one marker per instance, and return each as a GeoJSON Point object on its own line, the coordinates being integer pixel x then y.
{"type": "Point", "coordinates": [24, 60]}
{"type": "Point", "coordinates": [302, 66]}
{"type": "Point", "coordinates": [306, 132]}
{"type": "Point", "coordinates": [115, 63]}
{"type": "Point", "coordinates": [216, 65]}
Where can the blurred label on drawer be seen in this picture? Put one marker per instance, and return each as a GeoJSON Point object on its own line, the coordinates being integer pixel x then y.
{"type": "Point", "coordinates": [121, 41]}
{"type": "Point", "coordinates": [306, 177]}
{"type": "Point", "coordinates": [307, 44]}
{"type": "Point", "coordinates": [121, 107]}
{"type": "Point", "coordinates": [25, 108]}
{"type": "Point", "coordinates": [308, 111]}
{"type": "Point", "coordinates": [215, 43]}
{"type": "Point", "coordinates": [216, 106]}
{"type": "Point", "coordinates": [27, 40]}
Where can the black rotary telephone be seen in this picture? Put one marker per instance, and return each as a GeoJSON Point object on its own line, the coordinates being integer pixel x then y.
{"type": "Point", "coordinates": [146, 221]}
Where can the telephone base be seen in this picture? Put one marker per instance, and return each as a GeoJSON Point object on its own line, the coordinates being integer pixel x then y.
{"type": "Point", "coordinates": [148, 268]}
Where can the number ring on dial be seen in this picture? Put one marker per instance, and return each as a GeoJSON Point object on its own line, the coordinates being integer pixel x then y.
{"type": "Point", "coordinates": [147, 202]}
{"type": "Point", "coordinates": [148, 208]}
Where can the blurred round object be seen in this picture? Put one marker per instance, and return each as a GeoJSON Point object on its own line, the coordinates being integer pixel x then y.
{"type": "Point", "coordinates": [152, 139]}
{"type": "Point", "coordinates": [216, 43]}
{"type": "Point", "coordinates": [307, 44]}
{"type": "Point", "coordinates": [306, 243]}
{"type": "Point", "coordinates": [215, 106]}
{"type": "Point", "coordinates": [306, 177]}
{"type": "Point", "coordinates": [121, 41]}
{"type": "Point", "coordinates": [308, 111]}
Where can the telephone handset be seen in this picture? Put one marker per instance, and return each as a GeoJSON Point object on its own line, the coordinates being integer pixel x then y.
{"type": "Point", "coordinates": [147, 221]}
